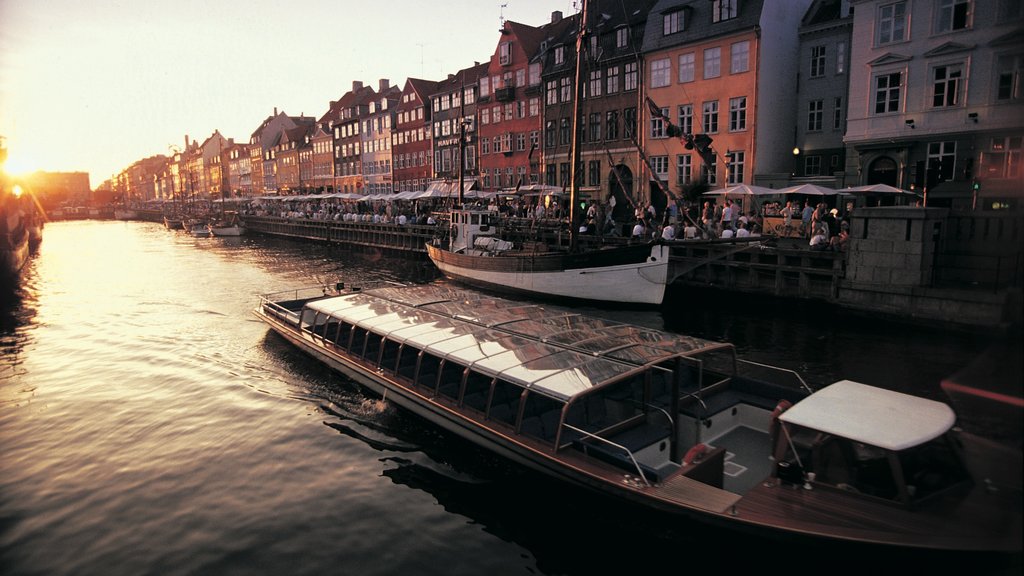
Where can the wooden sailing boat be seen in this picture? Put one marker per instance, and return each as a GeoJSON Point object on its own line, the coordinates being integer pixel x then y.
{"type": "Point", "coordinates": [478, 253]}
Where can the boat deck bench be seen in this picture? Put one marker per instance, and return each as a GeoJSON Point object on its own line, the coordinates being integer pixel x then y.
{"type": "Point", "coordinates": [634, 439]}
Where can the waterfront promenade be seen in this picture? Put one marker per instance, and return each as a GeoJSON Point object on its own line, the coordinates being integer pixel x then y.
{"type": "Point", "coordinates": [915, 264]}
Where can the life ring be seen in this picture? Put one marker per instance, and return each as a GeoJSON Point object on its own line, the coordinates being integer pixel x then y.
{"type": "Point", "coordinates": [781, 407]}
{"type": "Point", "coordinates": [695, 454]}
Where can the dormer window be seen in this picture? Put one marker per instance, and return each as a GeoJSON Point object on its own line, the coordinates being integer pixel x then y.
{"type": "Point", "coordinates": [505, 53]}
{"type": "Point", "coordinates": [673, 22]}
{"type": "Point", "coordinates": [622, 37]}
{"type": "Point", "coordinates": [722, 10]}
{"type": "Point", "coordinates": [559, 55]}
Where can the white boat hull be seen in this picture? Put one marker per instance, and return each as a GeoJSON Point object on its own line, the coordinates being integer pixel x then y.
{"type": "Point", "coordinates": [639, 283]}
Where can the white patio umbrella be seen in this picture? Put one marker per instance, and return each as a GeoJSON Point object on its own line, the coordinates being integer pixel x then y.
{"type": "Point", "coordinates": [874, 189]}
{"type": "Point", "coordinates": [808, 190]}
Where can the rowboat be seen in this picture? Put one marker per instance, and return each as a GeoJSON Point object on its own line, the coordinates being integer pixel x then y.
{"type": "Point", "coordinates": [666, 421]}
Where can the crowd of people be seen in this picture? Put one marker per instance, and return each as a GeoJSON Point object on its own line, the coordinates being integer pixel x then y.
{"type": "Point", "coordinates": [823, 228]}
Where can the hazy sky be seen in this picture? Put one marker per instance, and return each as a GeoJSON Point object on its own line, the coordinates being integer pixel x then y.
{"type": "Point", "coordinates": [94, 85]}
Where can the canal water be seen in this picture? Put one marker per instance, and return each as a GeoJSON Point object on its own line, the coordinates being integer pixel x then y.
{"type": "Point", "coordinates": [149, 424]}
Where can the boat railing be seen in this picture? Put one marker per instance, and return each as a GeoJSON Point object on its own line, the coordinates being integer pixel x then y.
{"type": "Point", "coordinates": [625, 450]}
{"type": "Point", "coordinates": [794, 376]}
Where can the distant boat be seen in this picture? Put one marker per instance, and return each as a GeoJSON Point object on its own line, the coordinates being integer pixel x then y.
{"type": "Point", "coordinates": [666, 421]}
{"type": "Point", "coordinates": [229, 225]}
{"type": "Point", "coordinates": [174, 222]}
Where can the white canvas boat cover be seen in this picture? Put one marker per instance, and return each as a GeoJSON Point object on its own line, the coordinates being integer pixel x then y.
{"type": "Point", "coordinates": [874, 416]}
{"type": "Point", "coordinates": [557, 352]}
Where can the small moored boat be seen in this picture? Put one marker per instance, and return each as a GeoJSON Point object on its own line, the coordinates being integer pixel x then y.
{"type": "Point", "coordinates": [669, 422]}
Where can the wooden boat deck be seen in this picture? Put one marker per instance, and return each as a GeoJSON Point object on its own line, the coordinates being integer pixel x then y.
{"type": "Point", "coordinates": [694, 493]}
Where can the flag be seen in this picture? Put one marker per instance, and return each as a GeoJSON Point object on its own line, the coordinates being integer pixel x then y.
{"type": "Point", "coordinates": [655, 110]}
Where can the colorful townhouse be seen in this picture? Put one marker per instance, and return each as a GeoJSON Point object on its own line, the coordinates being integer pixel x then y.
{"type": "Point", "coordinates": [725, 72]}
{"type": "Point", "coordinates": [509, 106]}
{"type": "Point", "coordinates": [411, 137]}
{"type": "Point", "coordinates": [348, 165]}
{"type": "Point", "coordinates": [375, 137]}
{"type": "Point", "coordinates": [453, 112]}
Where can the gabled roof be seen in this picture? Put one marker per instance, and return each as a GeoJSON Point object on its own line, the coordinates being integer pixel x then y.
{"type": "Point", "coordinates": [423, 88]}
{"type": "Point", "coordinates": [465, 77]}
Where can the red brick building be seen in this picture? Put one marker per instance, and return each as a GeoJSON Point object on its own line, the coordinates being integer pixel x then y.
{"type": "Point", "coordinates": [411, 137]}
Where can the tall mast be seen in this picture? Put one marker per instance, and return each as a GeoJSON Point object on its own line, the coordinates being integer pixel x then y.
{"type": "Point", "coordinates": [574, 152]}
{"type": "Point", "coordinates": [462, 139]}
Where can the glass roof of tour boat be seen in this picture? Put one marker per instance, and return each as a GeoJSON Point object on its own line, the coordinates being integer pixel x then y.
{"type": "Point", "coordinates": [554, 351]}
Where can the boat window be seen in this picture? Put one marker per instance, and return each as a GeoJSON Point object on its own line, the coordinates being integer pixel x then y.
{"type": "Point", "coordinates": [407, 358]}
{"type": "Point", "coordinates": [451, 379]}
{"type": "Point", "coordinates": [478, 390]}
{"type": "Point", "coordinates": [330, 328]}
{"type": "Point", "coordinates": [505, 402]}
{"type": "Point", "coordinates": [389, 355]}
{"type": "Point", "coordinates": [541, 415]}
{"type": "Point", "coordinates": [308, 319]}
{"type": "Point", "coordinates": [373, 347]}
{"type": "Point", "coordinates": [344, 334]}
{"type": "Point", "coordinates": [426, 377]}
{"type": "Point", "coordinates": [358, 340]}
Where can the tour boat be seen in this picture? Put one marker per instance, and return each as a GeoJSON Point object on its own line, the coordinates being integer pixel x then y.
{"type": "Point", "coordinates": [667, 421]}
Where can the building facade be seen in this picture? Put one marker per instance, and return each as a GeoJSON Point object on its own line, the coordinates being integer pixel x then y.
{"type": "Point", "coordinates": [453, 111]}
{"type": "Point", "coordinates": [411, 137]}
{"type": "Point", "coordinates": [936, 100]}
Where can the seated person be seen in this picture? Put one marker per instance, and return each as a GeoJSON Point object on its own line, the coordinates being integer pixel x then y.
{"type": "Point", "coordinates": [819, 241]}
{"type": "Point", "coordinates": [727, 233]}
{"type": "Point", "coordinates": [742, 232]}
{"type": "Point", "coordinates": [668, 232]}
{"type": "Point", "coordinates": [690, 231]}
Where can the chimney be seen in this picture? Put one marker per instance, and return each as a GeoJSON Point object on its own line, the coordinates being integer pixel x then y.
{"type": "Point", "coordinates": [186, 141]}
{"type": "Point", "coordinates": [384, 83]}
{"type": "Point", "coordinates": [556, 16]}
{"type": "Point", "coordinates": [275, 110]}
{"type": "Point", "coordinates": [357, 85]}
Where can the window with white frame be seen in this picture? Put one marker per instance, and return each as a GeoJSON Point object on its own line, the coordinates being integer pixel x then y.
{"type": "Point", "coordinates": [631, 77]}
{"type": "Point", "coordinates": [942, 155]}
{"type": "Point", "coordinates": [552, 93]}
{"type": "Point", "coordinates": [712, 63]}
{"type": "Point", "coordinates": [594, 132]}
{"type": "Point", "coordinates": [520, 142]}
{"type": "Point", "coordinates": [815, 110]}
{"type": "Point", "coordinates": [841, 58]}
{"type": "Point", "coordinates": [566, 89]}
{"type": "Point", "coordinates": [672, 22]}
{"type": "Point", "coordinates": [687, 65]}
{"type": "Point", "coordinates": [887, 92]}
{"type": "Point", "coordinates": [817, 61]}
{"type": "Point", "coordinates": [534, 106]}
{"type": "Point", "coordinates": [739, 57]}
{"type": "Point", "coordinates": [953, 15]}
{"type": "Point", "coordinates": [658, 124]}
{"type": "Point", "coordinates": [710, 117]}
{"type": "Point", "coordinates": [947, 80]}
{"type": "Point", "coordinates": [612, 80]}
{"type": "Point", "coordinates": [1002, 159]}
{"type": "Point", "coordinates": [660, 73]}
{"type": "Point", "coordinates": [723, 10]}
{"type": "Point", "coordinates": [738, 114]}
{"type": "Point", "coordinates": [535, 74]}
{"type": "Point", "coordinates": [685, 118]}
{"type": "Point", "coordinates": [559, 55]}
{"type": "Point", "coordinates": [622, 37]}
{"type": "Point", "coordinates": [812, 165]}
{"type": "Point", "coordinates": [659, 164]}
{"type": "Point", "coordinates": [684, 169]}
{"type": "Point", "coordinates": [892, 23]}
{"type": "Point", "coordinates": [595, 83]}
{"type": "Point", "coordinates": [485, 87]}
{"type": "Point", "coordinates": [735, 166]}
{"type": "Point", "coordinates": [1008, 76]}
{"type": "Point", "coordinates": [485, 116]}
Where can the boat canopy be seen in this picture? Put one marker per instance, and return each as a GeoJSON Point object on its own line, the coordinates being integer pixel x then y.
{"type": "Point", "coordinates": [556, 352]}
{"type": "Point", "coordinates": [874, 416]}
